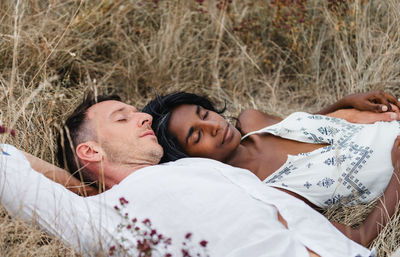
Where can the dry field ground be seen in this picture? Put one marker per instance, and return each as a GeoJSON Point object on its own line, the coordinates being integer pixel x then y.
{"type": "Point", "coordinates": [274, 55]}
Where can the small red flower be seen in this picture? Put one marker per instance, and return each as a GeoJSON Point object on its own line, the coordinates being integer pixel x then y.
{"type": "Point", "coordinates": [112, 249]}
{"type": "Point", "coordinates": [5, 130]}
{"type": "Point", "coordinates": [147, 222]}
{"type": "Point", "coordinates": [203, 243]}
{"type": "Point", "coordinates": [185, 253]}
{"type": "Point", "coordinates": [123, 201]}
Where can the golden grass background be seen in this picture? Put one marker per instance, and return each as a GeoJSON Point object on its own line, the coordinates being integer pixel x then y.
{"type": "Point", "coordinates": [277, 56]}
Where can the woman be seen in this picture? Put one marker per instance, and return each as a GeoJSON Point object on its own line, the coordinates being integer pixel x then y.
{"type": "Point", "coordinates": [320, 159]}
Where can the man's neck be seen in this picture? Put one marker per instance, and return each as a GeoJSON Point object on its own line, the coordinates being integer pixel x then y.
{"type": "Point", "coordinates": [114, 174]}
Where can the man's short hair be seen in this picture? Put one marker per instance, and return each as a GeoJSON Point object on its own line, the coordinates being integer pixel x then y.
{"type": "Point", "coordinates": [161, 109]}
{"type": "Point", "coordinates": [74, 132]}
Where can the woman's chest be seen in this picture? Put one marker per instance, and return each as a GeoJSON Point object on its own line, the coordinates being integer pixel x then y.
{"type": "Point", "coordinates": [267, 153]}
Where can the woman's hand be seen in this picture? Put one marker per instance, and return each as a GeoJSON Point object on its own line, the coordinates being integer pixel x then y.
{"type": "Point", "coordinates": [375, 101]}
{"type": "Point", "coordinates": [396, 155]}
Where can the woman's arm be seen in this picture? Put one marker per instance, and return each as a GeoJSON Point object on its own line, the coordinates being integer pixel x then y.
{"type": "Point", "coordinates": [383, 211]}
{"type": "Point", "coordinates": [375, 101]}
{"type": "Point", "coordinates": [60, 176]}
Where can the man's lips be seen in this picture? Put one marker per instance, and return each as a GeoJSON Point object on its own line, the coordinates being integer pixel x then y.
{"type": "Point", "coordinates": [148, 133]}
{"type": "Point", "coordinates": [227, 134]}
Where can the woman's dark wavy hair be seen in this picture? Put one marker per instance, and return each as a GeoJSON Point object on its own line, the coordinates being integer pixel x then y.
{"type": "Point", "coordinates": [161, 109]}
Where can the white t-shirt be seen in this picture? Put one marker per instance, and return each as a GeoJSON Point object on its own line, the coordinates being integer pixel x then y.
{"type": "Point", "coordinates": [228, 207]}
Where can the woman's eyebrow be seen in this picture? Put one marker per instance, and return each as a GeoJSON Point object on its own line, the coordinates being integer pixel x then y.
{"type": "Point", "coordinates": [198, 110]}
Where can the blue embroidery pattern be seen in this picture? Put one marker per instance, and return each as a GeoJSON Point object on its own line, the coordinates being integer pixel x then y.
{"type": "Point", "coordinates": [337, 199]}
{"type": "Point", "coordinates": [315, 117]}
{"type": "Point", "coordinates": [349, 180]}
{"type": "Point", "coordinates": [329, 131]}
{"type": "Point", "coordinates": [307, 185]}
{"type": "Point", "coordinates": [326, 182]}
{"type": "Point", "coordinates": [336, 160]}
{"type": "Point", "coordinates": [286, 171]}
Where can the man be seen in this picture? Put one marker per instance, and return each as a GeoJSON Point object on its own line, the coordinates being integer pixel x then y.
{"type": "Point", "coordinates": [228, 207]}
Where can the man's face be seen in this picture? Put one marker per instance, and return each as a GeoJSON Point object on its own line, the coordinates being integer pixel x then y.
{"type": "Point", "coordinates": [124, 134]}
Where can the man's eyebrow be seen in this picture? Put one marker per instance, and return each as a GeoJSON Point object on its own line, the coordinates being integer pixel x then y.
{"type": "Point", "coordinates": [191, 128]}
{"type": "Point", "coordinates": [118, 110]}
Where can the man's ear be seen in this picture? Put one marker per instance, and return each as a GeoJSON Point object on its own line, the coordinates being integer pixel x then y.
{"type": "Point", "coordinates": [89, 152]}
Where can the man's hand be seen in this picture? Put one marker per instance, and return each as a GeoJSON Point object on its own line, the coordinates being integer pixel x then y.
{"type": "Point", "coordinates": [375, 101]}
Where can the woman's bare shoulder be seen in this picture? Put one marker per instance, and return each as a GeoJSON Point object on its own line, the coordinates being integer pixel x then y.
{"type": "Point", "coordinates": [250, 120]}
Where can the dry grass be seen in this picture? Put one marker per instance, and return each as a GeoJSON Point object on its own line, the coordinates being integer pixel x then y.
{"type": "Point", "coordinates": [244, 53]}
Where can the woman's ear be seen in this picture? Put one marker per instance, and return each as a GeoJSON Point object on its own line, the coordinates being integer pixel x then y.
{"type": "Point", "coordinates": [89, 152]}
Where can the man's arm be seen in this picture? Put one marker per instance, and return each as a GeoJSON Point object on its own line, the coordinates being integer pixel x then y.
{"type": "Point", "coordinates": [30, 196]}
{"type": "Point", "coordinates": [283, 221]}
{"type": "Point", "coordinates": [383, 211]}
{"type": "Point", "coordinates": [60, 176]}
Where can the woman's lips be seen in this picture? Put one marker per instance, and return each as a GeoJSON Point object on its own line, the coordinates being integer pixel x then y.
{"type": "Point", "coordinates": [227, 134]}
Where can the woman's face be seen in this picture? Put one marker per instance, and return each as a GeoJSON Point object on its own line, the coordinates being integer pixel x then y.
{"type": "Point", "coordinates": [203, 133]}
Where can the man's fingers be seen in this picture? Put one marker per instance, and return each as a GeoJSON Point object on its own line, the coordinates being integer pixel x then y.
{"type": "Point", "coordinates": [388, 116]}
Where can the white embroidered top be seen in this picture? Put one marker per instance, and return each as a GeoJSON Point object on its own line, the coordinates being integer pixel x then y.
{"type": "Point", "coordinates": [354, 167]}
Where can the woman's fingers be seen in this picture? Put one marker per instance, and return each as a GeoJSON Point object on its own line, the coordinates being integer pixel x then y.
{"type": "Point", "coordinates": [393, 100]}
{"type": "Point", "coordinates": [379, 98]}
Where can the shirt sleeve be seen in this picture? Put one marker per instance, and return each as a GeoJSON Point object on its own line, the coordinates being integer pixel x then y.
{"type": "Point", "coordinates": [30, 196]}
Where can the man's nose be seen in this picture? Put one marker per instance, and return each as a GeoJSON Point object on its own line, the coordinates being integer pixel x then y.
{"type": "Point", "coordinates": [144, 119]}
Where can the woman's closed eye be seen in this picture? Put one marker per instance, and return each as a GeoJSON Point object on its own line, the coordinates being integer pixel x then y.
{"type": "Point", "coordinates": [198, 137]}
{"type": "Point", "coordinates": [205, 115]}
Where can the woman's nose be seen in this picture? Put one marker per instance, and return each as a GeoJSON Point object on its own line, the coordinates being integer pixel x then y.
{"type": "Point", "coordinates": [212, 126]}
